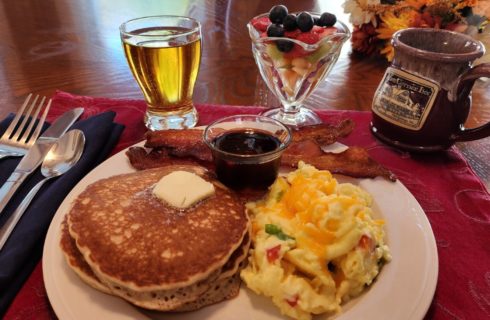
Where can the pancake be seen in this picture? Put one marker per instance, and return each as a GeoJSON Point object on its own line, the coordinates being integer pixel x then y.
{"type": "Point", "coordinates": [227, 286]}
{"type": "Point", "coordinates": [75, 260]}
{"type": "Point", "coordinates": [224, 289]}
{"type": "Point", "coordinates": [185, 297]}
{"type": "Point", "coordinates": [122, 240]}
{"type": "Point", "coordinates": [216, 288]}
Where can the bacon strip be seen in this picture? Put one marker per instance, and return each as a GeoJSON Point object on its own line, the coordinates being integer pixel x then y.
{"type": "Point", "coordinates": [187, 146]}
{"type": "Point", "coordinates": [184, 143]}
{"type": "Point", "coordinates": [354, 162]}
{"type": "Point", "coordinates": [140, 159]}
{"type": "Point", "coordinates": [324, 133]}
{"type": "Point", "coordinates": [174, 138]}
{"type": "Point", "coordinates": [180, 143]}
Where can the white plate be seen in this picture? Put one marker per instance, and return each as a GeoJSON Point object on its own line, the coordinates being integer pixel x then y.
{"type": "Point", "coordinates": [403, 290]}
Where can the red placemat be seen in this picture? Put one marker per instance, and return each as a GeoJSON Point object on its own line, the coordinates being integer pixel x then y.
{"type": "Point", "coordinates": [454, 199]}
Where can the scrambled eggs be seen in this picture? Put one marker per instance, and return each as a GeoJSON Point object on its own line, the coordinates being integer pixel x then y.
{"type": "Point", "coordinates": [315, 243]}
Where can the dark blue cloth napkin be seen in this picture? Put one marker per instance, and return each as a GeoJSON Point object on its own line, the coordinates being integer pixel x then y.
{"type": "Point", "coordinates": [23, 249]}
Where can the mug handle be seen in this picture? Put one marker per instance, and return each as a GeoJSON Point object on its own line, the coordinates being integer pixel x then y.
{"type": "Point", "coordinates": [465, 84]}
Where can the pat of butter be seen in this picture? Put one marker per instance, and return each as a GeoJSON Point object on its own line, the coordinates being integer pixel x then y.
{"type": "Point", "coordinates": [182, 189]}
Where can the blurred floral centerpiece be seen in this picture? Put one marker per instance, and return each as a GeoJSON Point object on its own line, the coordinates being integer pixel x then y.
{"type": "Point", "coordinates": [375, 21]}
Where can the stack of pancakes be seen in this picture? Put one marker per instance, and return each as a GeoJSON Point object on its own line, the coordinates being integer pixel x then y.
{"type": "Point", "coordinates": [122, 240]}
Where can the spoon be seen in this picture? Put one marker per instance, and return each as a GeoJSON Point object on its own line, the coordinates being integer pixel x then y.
{"type": "Point", "coordinates": [62, 156]}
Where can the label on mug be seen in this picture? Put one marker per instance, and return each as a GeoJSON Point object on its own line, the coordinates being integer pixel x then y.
{"type": "Point", "coordinates": [404, 99]}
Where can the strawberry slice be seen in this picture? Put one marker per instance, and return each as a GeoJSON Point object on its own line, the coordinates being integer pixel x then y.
{"type": "Point", "coordinates": [308, 37]}
{"type": "Point", "coordinates": [292, 34]}
{"type": "Point", "coordinates": [327, 31]}
{"type": "Point", "coordinates": [298, 51]}
{"type": "Point", "coordinates": [317, 29]}
{"type": "Point", "coordinates": [260, 24]}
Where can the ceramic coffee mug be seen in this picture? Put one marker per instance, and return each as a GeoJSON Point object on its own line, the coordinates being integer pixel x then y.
{"type": "Point", "coordinates": [424, 98]}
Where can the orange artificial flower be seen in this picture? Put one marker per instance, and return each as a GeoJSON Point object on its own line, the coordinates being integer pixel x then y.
{"type": "Point", "coordinates": [388, 17]}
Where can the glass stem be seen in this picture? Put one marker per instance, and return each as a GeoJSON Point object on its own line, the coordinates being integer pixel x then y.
{"type": "Point", "coordinates": [291, 109]}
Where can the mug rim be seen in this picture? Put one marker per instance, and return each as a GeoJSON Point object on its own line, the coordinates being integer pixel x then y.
{"type": "Point", "coordinates": [438, 56]}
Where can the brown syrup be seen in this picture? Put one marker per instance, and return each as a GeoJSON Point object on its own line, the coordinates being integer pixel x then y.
{"type": "Point", "coordinates": [248, 160]}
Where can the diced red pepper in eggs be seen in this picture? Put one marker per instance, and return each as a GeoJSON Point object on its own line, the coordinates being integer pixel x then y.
{"type": "Point", "coordinates": [293, 301]}
{"type": "Point", "coordinates": [367, 243]}
{"type": "Point", "coordinates": [273, 253]}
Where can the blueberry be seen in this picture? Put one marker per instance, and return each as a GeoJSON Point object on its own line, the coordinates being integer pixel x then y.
{"type": "Point", "coordinates": [275, 30]}
{"type": "Point", "coordinates": [284, 45]}
{"type": "Point", "coordinates": [290, 22]}
{"type": "Point", "coordinates": [304, 21]}
{"type": "Point", "coordinates": [278, 13]}
{"type": "Point", "coordinates": [327, 20]}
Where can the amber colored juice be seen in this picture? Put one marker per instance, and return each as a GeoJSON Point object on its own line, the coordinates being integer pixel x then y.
{"type": "Point", "coordinates": [165, 70]}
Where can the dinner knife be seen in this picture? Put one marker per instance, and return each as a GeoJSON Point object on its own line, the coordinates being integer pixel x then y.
{"type": "Point", "coordinates": [36, 154]}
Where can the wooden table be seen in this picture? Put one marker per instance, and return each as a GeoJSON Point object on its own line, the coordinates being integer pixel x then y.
{"type": "Point", "coordinates": [75, 46]}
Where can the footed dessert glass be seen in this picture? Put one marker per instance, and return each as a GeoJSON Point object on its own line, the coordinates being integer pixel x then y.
{"type": "Point", "coordinates": [292, 76]}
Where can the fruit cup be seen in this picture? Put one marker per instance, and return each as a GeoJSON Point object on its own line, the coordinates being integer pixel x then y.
{"type": "Point", "coordinates": [294, 63]}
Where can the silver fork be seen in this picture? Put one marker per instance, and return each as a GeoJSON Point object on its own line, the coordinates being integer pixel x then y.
{"type": "Point", "coordinates": [18, 138]}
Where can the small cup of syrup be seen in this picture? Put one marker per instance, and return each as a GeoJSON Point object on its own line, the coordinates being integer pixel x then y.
{"type": "Point", "coordinates": [247, 150]}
